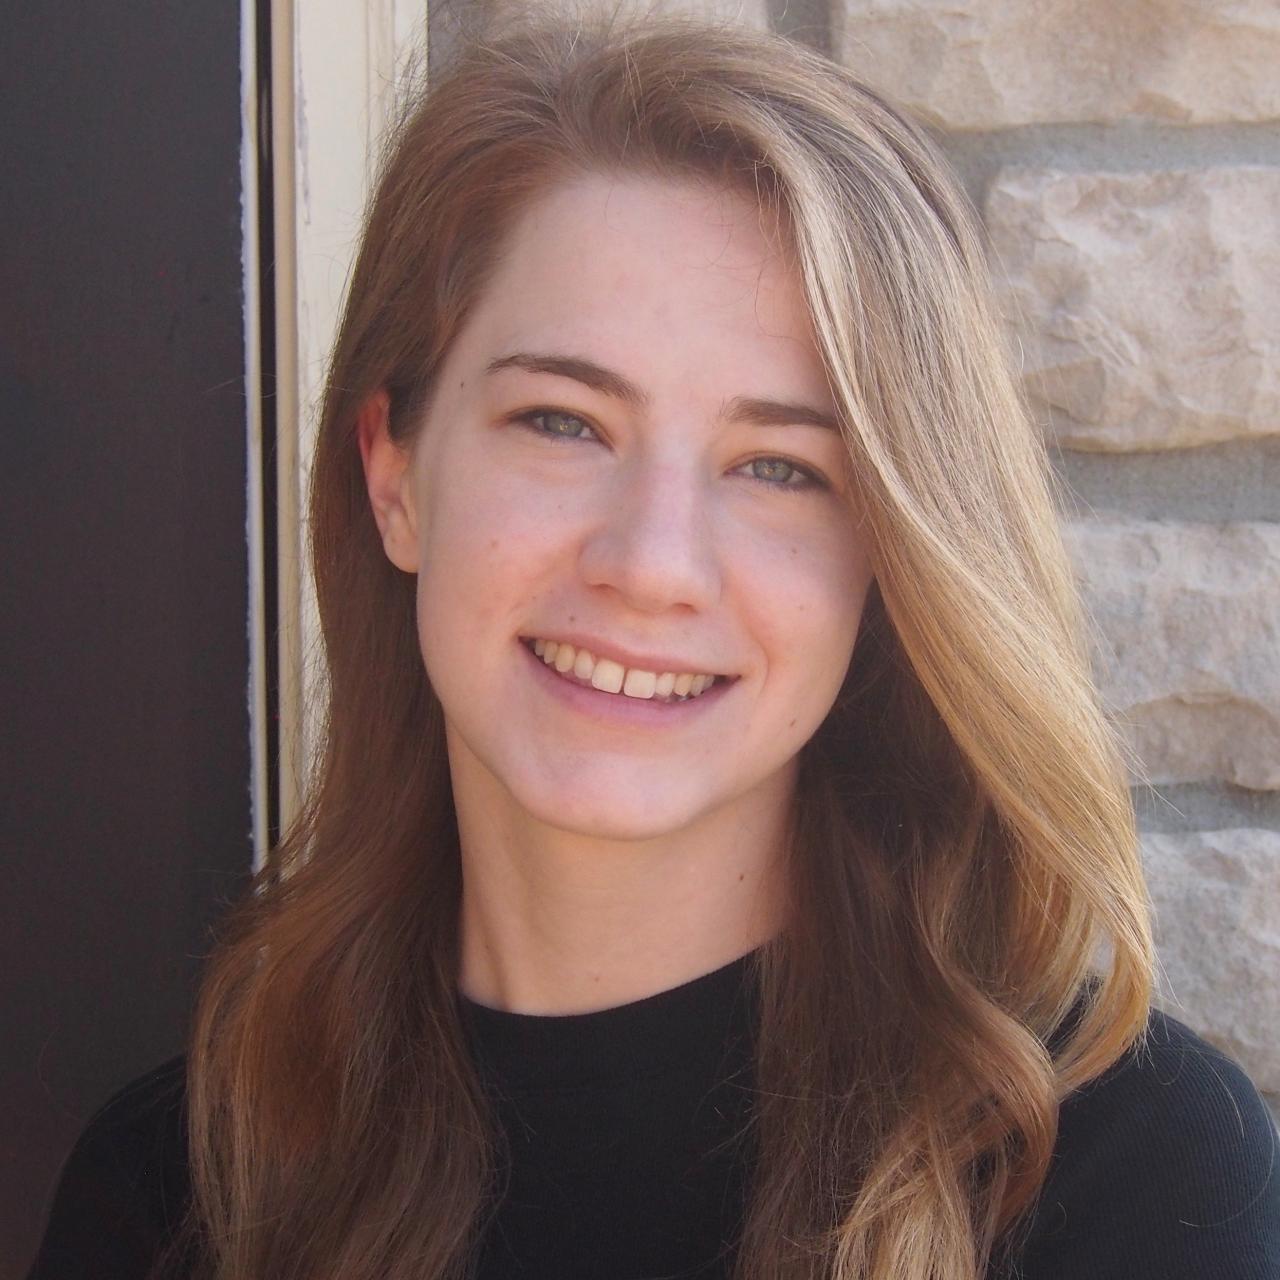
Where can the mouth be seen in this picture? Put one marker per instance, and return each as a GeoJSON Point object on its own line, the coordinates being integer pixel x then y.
{"type": "Point", "coordinates": [602, 692]}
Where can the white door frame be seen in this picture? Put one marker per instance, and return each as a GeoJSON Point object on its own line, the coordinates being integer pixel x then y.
{"type": "Point", "coordinates": [339, 71]}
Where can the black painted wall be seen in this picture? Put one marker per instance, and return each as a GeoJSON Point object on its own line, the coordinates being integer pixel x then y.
{"type": "Point", "coordinates": [124, 738]}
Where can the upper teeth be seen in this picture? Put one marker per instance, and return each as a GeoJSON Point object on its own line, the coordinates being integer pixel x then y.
{"type": "Point", "coordinates": [612, 677]}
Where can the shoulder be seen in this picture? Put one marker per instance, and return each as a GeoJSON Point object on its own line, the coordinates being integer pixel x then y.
{"type": "Point", "coordinates": [124, 1189]}
{"type": "Point", "coordinates": [1167, 1165]}
{"type": "Point", "coordinates": [139, 1134]}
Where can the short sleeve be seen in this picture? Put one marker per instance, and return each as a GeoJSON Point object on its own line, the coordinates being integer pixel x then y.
{"type": "Point", "coordinates": [1166, 1166]}
{"type": "Point", "coordinates": [124, 1188]}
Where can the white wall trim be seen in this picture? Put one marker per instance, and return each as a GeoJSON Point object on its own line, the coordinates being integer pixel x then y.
{"type": "Point", "coordinates": [339, 71]}
{"type": "Point", "coordinates": [250, 266]}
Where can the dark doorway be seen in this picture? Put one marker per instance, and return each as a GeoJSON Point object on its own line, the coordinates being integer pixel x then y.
{"type": "Point", "coordinates": [124, 779]}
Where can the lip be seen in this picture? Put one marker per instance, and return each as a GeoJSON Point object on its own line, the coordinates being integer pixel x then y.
{"type": "Point", "coordinates": [630, 658]}
{"type": "Point", "coordinates": [617, 708]}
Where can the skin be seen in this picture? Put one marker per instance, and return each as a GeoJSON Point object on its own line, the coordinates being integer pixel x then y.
{"type": "Point", "coordinates": [603, 864]}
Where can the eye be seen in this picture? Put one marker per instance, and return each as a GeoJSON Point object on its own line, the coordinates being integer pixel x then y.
{"type": "Point", "coordinates": [796, 477]}
{"type": "Point", "coordinates": [534, 420]}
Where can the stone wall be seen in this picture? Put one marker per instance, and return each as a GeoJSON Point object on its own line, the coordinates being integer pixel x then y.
{"type": "Point", "coordinates": [1125, 160]}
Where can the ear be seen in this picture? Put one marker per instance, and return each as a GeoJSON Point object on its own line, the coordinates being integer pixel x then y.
{"type": "Point", "coordinates": [389, 479]}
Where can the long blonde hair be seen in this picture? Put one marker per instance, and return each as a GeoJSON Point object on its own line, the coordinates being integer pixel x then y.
{"type": "Point", "coordinates": [971, 938]}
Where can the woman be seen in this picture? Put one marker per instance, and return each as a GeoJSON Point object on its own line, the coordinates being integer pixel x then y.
{"type": "Point", "coordinates": [718, 863]}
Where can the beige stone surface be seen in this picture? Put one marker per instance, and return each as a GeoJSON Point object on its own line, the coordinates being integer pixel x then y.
{"type": "Point", "coordinates": [752, 13]}
{"type": "Point", "coordinates": [1187, 620]}
{"type": "Point", "coordinates": [1147, 305]}
{"type": "Point", "coordinates": [989, 64]}
{"type": "Point", "coordinates": [1217, 913]}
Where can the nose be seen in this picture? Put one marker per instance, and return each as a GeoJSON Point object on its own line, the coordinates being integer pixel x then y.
{"type": "Point", "coordinates": [653, 542]}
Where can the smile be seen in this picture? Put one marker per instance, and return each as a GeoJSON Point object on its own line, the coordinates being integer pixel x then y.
{"type": "Point", "coordinates": [603, 693]}
{"type": "Point", "coordinates": [612, 677]}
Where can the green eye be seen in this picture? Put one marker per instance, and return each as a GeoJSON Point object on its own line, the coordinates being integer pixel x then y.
{"type": "Point", "coordinates": [536, 417]}
{"type": "Point", "coordinates": [807, 479]}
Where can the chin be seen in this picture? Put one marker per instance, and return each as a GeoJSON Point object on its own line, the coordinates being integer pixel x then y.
{"type": "Point", "coordinates": [603, 814]}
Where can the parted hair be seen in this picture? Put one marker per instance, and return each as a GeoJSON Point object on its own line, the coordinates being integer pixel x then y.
{"type": "Point", "coordinates": [969, 937]}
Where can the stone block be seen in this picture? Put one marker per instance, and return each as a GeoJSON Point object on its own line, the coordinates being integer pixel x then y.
{"type": "Point", "coordinates": [1216, 896]}
{"type": "Point", "coordinates": [751, 13]}
{"type": "Point", "coordinates": [1187, 621]}
{"type": "Point", "coordinates": [1147, 305]}
{"type": "Point", "coordinates": [992, 64]}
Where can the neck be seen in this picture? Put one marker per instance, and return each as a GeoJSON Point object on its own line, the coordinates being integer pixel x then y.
{"type": "Point", "coordinates": [555, 922]}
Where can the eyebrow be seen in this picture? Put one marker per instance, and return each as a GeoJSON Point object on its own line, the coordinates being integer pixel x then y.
{"type": "Point", "coordinates": [747, 409]}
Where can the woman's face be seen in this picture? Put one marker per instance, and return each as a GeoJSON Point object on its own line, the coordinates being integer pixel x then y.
{"type": "Point", "coordinates": [625, 453]}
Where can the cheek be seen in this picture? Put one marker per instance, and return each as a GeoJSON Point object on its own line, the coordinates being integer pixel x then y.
{"type": "Point", "coordinates": [479, 549]}
{"type": "Point", "coordinates": [814, 610]}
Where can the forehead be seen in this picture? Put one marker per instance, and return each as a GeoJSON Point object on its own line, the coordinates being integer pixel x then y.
{"type": "Point", "coordinates": [674, 265]}
{"type": "Point", "coordinates": [692, 222]}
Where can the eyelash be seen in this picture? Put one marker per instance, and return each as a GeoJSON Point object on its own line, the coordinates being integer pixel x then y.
{"type": "Point", "coordinates": [812, 480]}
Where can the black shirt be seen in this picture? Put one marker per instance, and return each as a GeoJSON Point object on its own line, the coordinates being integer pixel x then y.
{"type": "Point", "coordinates": [625, 1130]}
